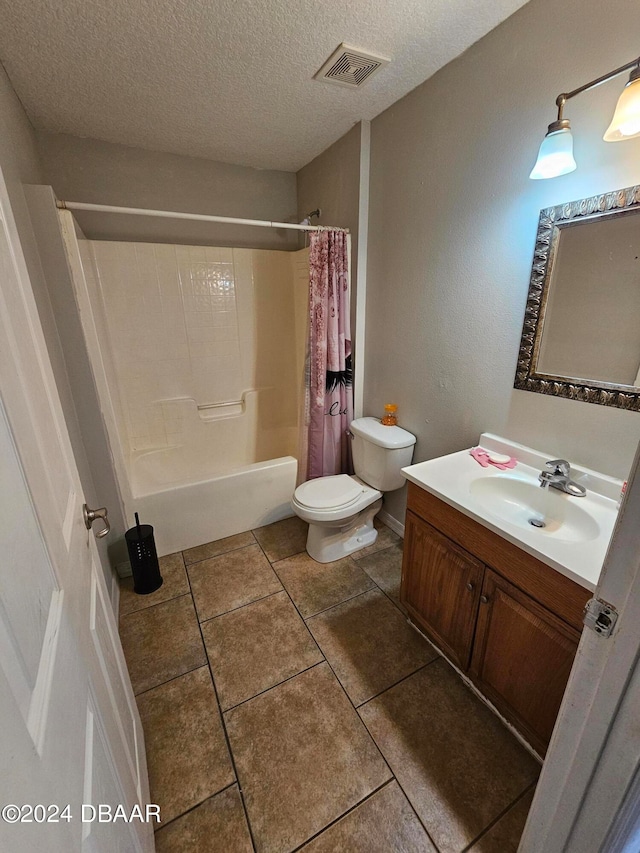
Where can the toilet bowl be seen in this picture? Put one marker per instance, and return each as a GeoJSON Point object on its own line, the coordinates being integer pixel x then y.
{"type": "Point", "coordinates": [340, 508]}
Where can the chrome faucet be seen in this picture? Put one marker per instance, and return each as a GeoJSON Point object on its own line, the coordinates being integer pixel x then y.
{"type": "Point", "coordinates": [560, 478]}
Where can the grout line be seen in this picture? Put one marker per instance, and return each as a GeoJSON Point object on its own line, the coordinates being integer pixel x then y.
{"type": "Point", "coordinates": [213, 556]}
{"type": "Point", "coordinates": [324, 660]}
{"type": "Point", "coordinates": [395, 683]}
{"type": "Point", "coordinates": [406, 795]}
{"type": "Point", "coordinates": [500, 816]}
{"type": "Point", "coordinates": [344, 601]}
{"type": "Point", "coordinates": [196, 805]}
{"type": "Point", "coordinates": [224, 728]}
{"type": "Point", "coordinates": [173, 678]}
{"type": "Point", "coordinates": [377, 551]}
{"type": "Point", "coordinates": [344, 814]}
{"type": "Point", "coordinates": [122, 616]}
{"type": "Point", "coordinates": [393, 776]}
{"type": "Point", "coordinates": [395, 601]}
{"type": "Point", "coordinates": [282, 559]}
{"type": "Point", "coordinates": [362, 704]}
{"type": "Point", "coordinates": [286, 591]}
{"type": "Point", "coordinates": [273, 686]}
{"type": "Point", "coordinates": [345, 692]}
{"type": "Point", "coordinates": [240, 607]}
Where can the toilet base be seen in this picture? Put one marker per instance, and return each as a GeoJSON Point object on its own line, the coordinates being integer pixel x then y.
{"type": "Point", "coordinates": [328, 543]}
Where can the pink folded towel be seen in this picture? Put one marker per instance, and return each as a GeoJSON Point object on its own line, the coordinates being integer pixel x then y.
{"type": "Point", "coordinates": [482, 458]}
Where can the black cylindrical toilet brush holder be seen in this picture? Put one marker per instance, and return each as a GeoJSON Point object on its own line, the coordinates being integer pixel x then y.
{"type": "Point", "coordinates": [143, 558]}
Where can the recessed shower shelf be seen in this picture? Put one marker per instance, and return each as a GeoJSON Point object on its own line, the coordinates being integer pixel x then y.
{"type": "Point", "coordinates": [225, 409]}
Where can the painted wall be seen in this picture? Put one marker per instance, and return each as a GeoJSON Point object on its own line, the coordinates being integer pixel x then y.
{"type": "Point", "coordinates": [99, 172]}
{"type": "Point", "coordinates": [332, 183]}
{"type": "Point", "coordinates": [452, 229]}
{"type": "Point", "coordinates": [21, 165]}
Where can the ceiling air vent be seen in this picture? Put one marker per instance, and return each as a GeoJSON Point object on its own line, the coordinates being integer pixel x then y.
{"type": "Point", "coordinates": [350, 66]}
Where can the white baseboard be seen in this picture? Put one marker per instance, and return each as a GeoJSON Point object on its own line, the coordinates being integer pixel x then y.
{"type": "Point", "coordinates": [392, 522]}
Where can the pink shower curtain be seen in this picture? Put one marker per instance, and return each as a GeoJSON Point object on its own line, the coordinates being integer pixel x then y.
{"type": "Point", "coordinates": [330, 390]}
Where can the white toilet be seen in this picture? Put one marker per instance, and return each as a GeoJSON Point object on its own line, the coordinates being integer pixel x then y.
{"type": "Point", "coordinates": [340, 509]}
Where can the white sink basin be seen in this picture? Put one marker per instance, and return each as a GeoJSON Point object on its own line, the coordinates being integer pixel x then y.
{"type": "Point", "coordinates": [520, 502]}
{"type": "Point", "coordinates": [576, 531]}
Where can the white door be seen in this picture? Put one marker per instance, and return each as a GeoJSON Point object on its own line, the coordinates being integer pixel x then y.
{"type": "Point", "coordinates": [587, 797]}
{"type": "Point", "coordinates": [70, 731]}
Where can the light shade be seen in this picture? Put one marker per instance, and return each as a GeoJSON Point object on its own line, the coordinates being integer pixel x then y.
{"type": "Point", "coordinates": [626, 119]}
{"type": "Point", "coordinates": [555, 156]}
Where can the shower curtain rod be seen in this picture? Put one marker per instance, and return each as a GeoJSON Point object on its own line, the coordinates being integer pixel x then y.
{"type": "Point", "coordinates": [200, 217]}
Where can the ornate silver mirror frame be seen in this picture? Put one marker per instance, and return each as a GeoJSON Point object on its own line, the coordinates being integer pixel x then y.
{"type": "Point", "coordinates": [528, 378]}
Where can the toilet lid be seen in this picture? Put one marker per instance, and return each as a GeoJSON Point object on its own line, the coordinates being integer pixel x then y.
{"type": "Point", "coordinates": [329, 492]}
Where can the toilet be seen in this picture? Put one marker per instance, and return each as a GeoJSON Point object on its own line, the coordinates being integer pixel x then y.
{"type": "Point", "coordinates": [340, 509]}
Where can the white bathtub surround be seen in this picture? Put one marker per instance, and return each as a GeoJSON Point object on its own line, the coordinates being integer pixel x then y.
{"type": "Point", "coordinates": [198, 355]}
{"type": "Point", "coordinates": [194, 322]}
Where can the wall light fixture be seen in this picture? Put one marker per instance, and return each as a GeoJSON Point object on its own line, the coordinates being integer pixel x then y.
{"type": "Point", "coordinates": [556, 151]}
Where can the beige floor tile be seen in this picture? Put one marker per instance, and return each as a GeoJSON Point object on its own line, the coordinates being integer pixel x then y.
{"type": "Point", "coordinates": [385, 567]}
{"type": "Point", "coordinates": [386, 538]}
{"type": "Point", "coordinates": [369, 644]}
{"type": "Point", "coordinates": [303, 758]}
{"type": "Point", "coordinates": [220, 546]}
{"type": "Point", "coordinates": [219, 825]}
{"type": "Point", "coordinates": [186, 748]}
{"type": "Point", "coordinates": [504, 836]}
{"type": "Point", "coordinates": [231, 580]}
{"type": "Point", "coordinates": [283, 539]}
{"type": "Point", "coordinates": [316, 586]}
{"type": "Point", "coordinates": [382, 824]}
{"type": "Point", "coordinates": [161, 642]}
{"type": "Point", "coordinates": [174, 583]}
{"type": "Point", "coordinates": [457, 764]}
{"type": "Point", "coordinates": [256, 647]}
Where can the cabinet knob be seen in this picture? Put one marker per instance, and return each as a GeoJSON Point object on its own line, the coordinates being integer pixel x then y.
{"type": "Point", "coordinates": [484, 599]}
{"type": "Point", "coordinates": [471, 586]}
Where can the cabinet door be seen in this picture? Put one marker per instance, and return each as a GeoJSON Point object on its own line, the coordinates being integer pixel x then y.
{"type": "Point", "coordinates": [441, 588]}
{"type": "Point", "coordinates": [522, 658]}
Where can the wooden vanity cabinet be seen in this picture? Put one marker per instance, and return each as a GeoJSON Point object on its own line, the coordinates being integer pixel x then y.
{"type": "Point", "coordinates": [442, 592]}
{"type": "Point", "coordinates": [510, 622]}
{"type": "Point", "coordinates": [522, 657]}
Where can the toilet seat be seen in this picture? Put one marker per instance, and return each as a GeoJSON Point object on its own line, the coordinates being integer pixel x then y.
{"type": "Point", "coordinates": [332, 498]}
{"type": "Point", "coordinates": [332, 492]}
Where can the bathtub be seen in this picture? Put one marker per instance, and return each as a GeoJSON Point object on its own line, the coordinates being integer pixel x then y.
{"type": "Point", "coordinates": [188, 508]}
{"type": "Point", "coordinates": [201, 402]}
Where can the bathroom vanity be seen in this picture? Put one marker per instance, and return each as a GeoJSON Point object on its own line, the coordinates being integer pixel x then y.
{"type": "Point", "coordinates": [502, 599]}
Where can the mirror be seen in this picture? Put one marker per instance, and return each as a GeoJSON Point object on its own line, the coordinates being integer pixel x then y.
{"type": "Point", "coordinates": [581, 332]}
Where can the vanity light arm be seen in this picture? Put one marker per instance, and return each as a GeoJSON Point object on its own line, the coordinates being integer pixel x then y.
{"type": "Point", "coordinates": [555, 156]}
{"type": "Point", "coordinates": [565, 96]}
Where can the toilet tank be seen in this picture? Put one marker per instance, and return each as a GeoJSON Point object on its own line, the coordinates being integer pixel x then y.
{"type": "Point", "coordinates": [379, 452]}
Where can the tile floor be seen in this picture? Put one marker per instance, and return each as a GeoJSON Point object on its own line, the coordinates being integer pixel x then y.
{"type": "Point", "coordinates": [288, 705]}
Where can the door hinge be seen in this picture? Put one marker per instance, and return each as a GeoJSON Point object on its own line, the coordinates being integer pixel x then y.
{"type": "Point", "coordinates": [600, 617]}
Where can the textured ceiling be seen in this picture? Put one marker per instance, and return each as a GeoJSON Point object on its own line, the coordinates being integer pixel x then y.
{"type": "Point", "coordinates": [230, 80]}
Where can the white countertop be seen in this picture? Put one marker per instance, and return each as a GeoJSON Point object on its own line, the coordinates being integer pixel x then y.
{"type": "Point", "coordinates": [578, 530]}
